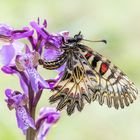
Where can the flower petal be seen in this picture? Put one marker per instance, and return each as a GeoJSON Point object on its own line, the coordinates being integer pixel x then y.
{"type": "Point", "coordinates": [23, 119]}
{"type": "Point", "coordinates": [43, 131]}
{"type": "Point", "coordinates": [7, 53]}
{"type": "Point", "coordinates": [5, 30]}
{"type": "Point", "coordinates": [51, 53]}
{"type": "Point", "coordinates": [36, 80]}
{"type": "Point", "coordinates": [8, 70]}
{"type": "Point", "coordinates": [8, 92]}
{"type": "Point", "coordinates": [39, 29]}
{"type": "Point", "coordinates": [48, 117]}
{"type": "Point", "coordinates": [22, 35]}
{"type": "Point", "coordinates": [23, 83]}
{"type": "Point", "coordinates": [45, 23]}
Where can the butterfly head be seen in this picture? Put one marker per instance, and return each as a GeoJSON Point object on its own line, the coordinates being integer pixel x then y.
{"type": "Point", "coordinates": [71, 42]}
{"type": "Point", "coordinates": [76, 39]}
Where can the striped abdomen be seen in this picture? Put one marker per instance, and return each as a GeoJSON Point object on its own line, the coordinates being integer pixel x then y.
{"type": "Point", "coordinates": [54, 64]}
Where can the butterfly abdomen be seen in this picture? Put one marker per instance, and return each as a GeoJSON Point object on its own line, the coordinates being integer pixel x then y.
{"type": "Point", "coordinates": [55, 63]}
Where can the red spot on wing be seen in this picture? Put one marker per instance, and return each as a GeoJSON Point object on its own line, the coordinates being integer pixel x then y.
{"type": "Point", "coordinates": [88, 55]}
{"type": "Point", "coordinates": [104, 68]}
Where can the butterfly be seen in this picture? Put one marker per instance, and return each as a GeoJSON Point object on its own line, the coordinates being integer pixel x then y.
{"type": "Point", "coordinates": [88, 76]}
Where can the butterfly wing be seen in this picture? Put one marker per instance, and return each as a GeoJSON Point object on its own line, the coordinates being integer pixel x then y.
{"type": "Point", "coordinates": [89, 76]}
{"type": "Point", "coordinates": [113, 86]}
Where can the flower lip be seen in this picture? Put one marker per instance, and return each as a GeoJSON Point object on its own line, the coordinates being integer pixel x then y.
{"type": "Point", "coordinates": [24, 120]}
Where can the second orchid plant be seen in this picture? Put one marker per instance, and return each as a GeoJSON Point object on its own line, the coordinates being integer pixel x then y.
{"type": "Point", "coordinates": [21, 59]}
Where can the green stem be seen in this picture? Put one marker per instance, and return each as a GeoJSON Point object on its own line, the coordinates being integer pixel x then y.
{"type": "Point", "coordinates": [31, 133]}
{"type": "Point", "coordinates": [33, 101]}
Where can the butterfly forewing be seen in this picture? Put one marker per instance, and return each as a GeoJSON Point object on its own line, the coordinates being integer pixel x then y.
{"type": "Point", "coordinates": [89, 76]}
{"type": "Point", "coordinates": [113, 85]}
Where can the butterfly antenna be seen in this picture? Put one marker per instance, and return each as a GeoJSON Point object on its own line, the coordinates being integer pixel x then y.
{"type": "Point", "coordinates": [104, 41]}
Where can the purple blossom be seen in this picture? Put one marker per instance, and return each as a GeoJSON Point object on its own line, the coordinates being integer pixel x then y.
{"type": "Point", "coordinates": [16, 100]}
{"type": "Point", "coordinates": [47, 118]}
{"type": "Point", "coordinates": [27, 63]}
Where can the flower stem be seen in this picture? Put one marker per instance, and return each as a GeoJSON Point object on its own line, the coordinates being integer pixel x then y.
{"type": "Point", "coordinates": [31, 133]}
{"type": "Point", "coordinates": [33, 101]}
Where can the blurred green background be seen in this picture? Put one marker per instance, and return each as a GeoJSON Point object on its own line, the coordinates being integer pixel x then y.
{"type": "Point", "coordinates": [118, 21]}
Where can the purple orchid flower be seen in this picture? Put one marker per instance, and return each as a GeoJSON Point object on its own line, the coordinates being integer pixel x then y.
{"type": "Point", "coordinates": [21, 59]}
{"type": "Point", "coordinates": [11, 46]}
{"type": "Point", "coordinates": [16, 100]}
{"type": "Point", "coordinates": [47, 118]}
{"type": "Point", "coordinates": [27, 63]}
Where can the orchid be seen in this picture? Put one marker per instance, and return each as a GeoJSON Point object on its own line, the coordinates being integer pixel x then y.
{"type": "Point", "coordinates": [21, 59]}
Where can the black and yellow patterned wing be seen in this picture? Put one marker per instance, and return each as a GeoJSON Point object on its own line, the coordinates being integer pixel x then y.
{"type": "Point", "coordinates": [89, 76]}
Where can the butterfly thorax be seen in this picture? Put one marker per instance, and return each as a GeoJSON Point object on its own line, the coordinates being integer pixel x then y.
{"type": "Point", "coordinates": [69, 47]}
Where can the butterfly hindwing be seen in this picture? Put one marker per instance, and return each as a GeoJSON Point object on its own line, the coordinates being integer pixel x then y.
{"type": "Point", "coordinates": [89, 76]}
{"type": "Point", "coordinates": [67, 89]}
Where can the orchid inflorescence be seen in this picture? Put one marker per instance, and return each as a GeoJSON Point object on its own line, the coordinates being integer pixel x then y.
{"type": "Point", "coordinates": [21, 59]}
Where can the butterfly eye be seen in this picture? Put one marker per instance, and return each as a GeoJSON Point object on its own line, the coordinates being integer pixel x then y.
{"type": "Point", "coordinates": [78, 37]}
